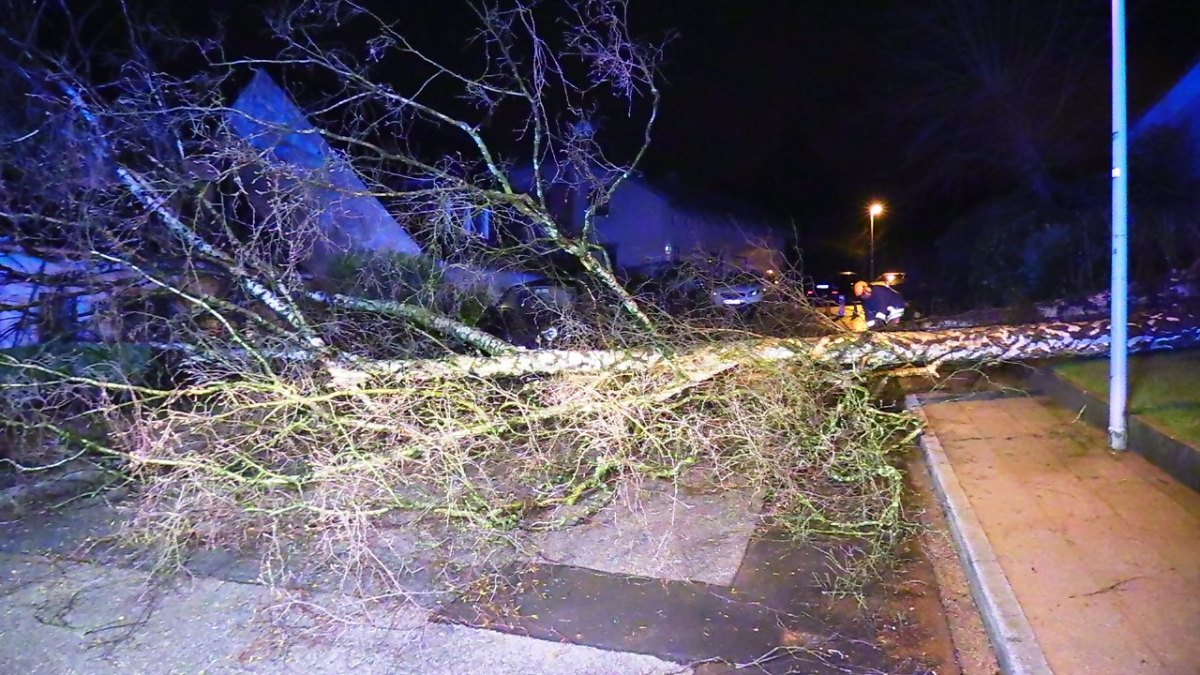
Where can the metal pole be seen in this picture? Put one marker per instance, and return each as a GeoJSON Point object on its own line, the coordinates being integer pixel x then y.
{"type": "Point", "coordinates": [871, 273]}
{"type": "Point", "coordinates": [1118, 380]}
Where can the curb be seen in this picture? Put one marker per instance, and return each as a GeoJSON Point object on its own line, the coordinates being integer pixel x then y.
{"type": "Point", "coordinates": [1016, 646]}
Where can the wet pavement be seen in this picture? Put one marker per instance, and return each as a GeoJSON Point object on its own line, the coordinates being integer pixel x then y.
{"type": "Point", "coordinates": [776, 617]}
{"type": "Point", "coordinates": [666, 578]}
{"type": "Point", "coordinates": [1098, 552]}
{"type": "Point", "coordinates": [694, 583]}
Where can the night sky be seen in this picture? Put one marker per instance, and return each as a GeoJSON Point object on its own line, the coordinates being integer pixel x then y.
{"type": "Point", "coordinates": [793, 105]}
{"type": "Point", "coordinates": [805, 107]}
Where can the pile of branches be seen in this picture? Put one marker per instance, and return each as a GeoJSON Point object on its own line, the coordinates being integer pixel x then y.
{"type": "Point", "coordinates": [267, 385]}
{"type": "Point", "coordinates": [270, 464]}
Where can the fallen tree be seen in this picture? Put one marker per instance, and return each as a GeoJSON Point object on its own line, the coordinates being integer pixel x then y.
{"type": "Point", "coordinates": [311, 409]}
{"type": "Point", "coordinates": [861, 352]}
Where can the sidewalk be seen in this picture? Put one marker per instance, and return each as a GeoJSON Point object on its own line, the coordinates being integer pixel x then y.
{"type": "Point", "coordinates": [1100, 551]}
{"type": "Point", "coordinates": [661, 581]}
{"type": "Point", "coordinates": [70, 618]}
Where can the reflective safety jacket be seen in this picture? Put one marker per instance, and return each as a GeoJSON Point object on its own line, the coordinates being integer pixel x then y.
{"type": "Point", "coordinates": [884, 306]}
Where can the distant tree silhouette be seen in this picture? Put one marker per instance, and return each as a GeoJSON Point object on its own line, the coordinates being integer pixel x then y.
{"type": "Point", "coordinates": [1000, 94]}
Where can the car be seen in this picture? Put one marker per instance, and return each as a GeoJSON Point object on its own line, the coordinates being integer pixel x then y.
{"type": "Point", "coordinates": [532, 314]}
{"type": "Point", "coordinates": [833, 298]}
{"type": "Point", "coordinates": [683, 288]}
{"type": "Point", "coordinates": [737, 291]}
{"type": "Point", "coordinates": [832, 290]}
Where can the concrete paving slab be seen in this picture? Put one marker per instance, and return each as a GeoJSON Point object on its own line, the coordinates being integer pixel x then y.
{"type": "Point", "coordinates": [82, 526]}
{"type": "Point", "coordinates": [89, 531]}
{"type": "Point", "coordinates": [1174, 641]}
{"type": "Point", "coordinates": [684, 621]}
{"type": "Point", "coordinates": [773, 612]}
{"type": "Point", "coordinates": [66, 618]}
{"type": "Point", "coordinates": [75, 606]}
{"type": "Point", "coordinates": [1146, 437]}
{"type": "Point", "coordinates": [1091, 636]}
{"type": "Point", "coordinates": [1178, 492]}
{"type": "Point", "coordinates": [1013, 639]}
{"type": "Point", "coordinates": [775, 618]}
{"type": "Point", "coordinates": [1183, 511]}
{"type": "Point", "coordinates": [664, 531]}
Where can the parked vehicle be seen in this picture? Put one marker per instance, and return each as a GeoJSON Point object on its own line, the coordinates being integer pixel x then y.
{"type": "Point", "coordinates": [743, 290]}
{"type": "Point", "coordinates": [683, 288]}
{"type": "Point", "coordinates": [831, 291]}
{"type": "Point", "coordinates": [532, 314]}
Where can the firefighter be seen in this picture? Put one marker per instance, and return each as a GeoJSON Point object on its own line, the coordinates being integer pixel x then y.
{"type": "Point", "coordinates": [881, 303]}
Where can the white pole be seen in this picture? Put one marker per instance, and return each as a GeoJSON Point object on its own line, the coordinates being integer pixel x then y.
{"type": "Point", "coordinates": [1118, 381]}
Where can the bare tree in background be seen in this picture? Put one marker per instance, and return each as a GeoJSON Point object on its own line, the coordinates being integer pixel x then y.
{"type": "Point", "coordinates": [996, 94]}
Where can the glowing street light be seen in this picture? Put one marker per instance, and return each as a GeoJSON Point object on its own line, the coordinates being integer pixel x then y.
{"type": "Point", "coordinates": [876, 209]}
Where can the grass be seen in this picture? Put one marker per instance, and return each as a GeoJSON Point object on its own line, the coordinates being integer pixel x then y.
{"type": "Point", "coordinates": [1164, 388]}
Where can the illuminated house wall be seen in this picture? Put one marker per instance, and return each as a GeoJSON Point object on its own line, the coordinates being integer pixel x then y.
{"type": "Point", "coordinates": [348, 216]}
{"type": "Point", "coordinates": [646, 225]}
{"type": "Point", "coordinates": [48, 299]}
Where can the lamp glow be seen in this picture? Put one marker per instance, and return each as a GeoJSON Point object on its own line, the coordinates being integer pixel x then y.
{"type": "Point", "coordinates": [874, 210]}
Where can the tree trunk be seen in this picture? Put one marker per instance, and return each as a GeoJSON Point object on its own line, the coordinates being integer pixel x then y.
{"type": "Point", "coordinates": [1147, 332]}
{"type": "Point", "coordinates": [868, 351]}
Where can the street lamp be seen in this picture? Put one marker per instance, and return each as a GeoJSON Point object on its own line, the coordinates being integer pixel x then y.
{"type": "Point", "coordinates": [875, 209]}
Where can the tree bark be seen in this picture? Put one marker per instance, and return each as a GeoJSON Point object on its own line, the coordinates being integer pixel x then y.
{"type": "Point", "coordinates": [442, 325]}
{"type": "Point", "coordinates": [867, 351]}
{"type": "Point", "coordinates": [1147, 332]}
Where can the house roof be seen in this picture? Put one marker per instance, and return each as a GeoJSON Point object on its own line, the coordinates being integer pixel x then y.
{"type": "Point", "coordinates": [266, 117]}
{"type": "Point", "coordinates": [1179, 107]}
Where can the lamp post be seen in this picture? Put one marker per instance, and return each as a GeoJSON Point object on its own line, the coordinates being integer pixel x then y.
{"type": "Point", "coordinates": [874, 210]}
{"type": "Point", "coordinates": [1118, 341]}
